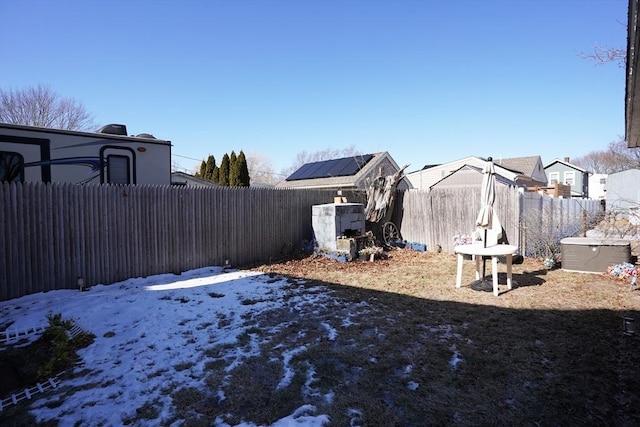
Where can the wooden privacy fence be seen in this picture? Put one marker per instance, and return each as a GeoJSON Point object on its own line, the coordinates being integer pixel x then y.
{"type": "Point", "coordinates": [52, 235]}
{"type": "Point", "coordinates": [435, 217]}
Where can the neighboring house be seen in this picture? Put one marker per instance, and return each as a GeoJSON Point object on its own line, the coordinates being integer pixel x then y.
{"type": "Point", "coordinates": [182, 178]}
{"type": "Point", "coordinates": [347, 173]}
{"type": "Point", "coordinates": [623, 190]}
{"type": "Point", "coordinates": [563, 172]}
{"type": "Point", "coordinates": [469, 176]}
{"type": "Point", "coordinates": [530, 167]}
{"type": "Point", "coordinates": [597, 183]}
{"type": "Point", "coordinates": [524, 171]}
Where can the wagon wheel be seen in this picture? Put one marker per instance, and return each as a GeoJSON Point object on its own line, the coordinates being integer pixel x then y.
{"type": "Point", "coordinates": [390, 233]}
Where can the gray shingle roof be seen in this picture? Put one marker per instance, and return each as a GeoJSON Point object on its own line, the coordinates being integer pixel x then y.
{"type": "Point", "coordinates": [524, 165]}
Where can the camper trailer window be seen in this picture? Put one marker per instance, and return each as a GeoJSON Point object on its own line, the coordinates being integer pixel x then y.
{"type": "Point", "coordinates": [11, 167]}
{"type": "Point", "coordinates": [118, 170]}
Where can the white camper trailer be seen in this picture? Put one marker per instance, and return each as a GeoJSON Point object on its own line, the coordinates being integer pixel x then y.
{"type": "Point", "coordinates": [109, 156]}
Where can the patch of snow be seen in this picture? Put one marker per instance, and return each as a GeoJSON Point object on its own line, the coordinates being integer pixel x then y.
{"type": "Point", "coordinates": [332, 332]}
{"type": "Point", "coordinates": [149, 338]}
{"type": "Point", "coordinates": [288, 372]}
{"type": "Point", "coordinates": [412, 385]}
{"type": "Point", "coordinates": [303, 416]}
{"type": "Point", "coordinates": [355, 417]}
{"type": "Point", "coordinates": [329, 397]}
{"type": "Point", "coordinates": [455, 358]}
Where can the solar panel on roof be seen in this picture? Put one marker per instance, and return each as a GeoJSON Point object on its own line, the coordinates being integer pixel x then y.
{"type": "Point", "coordinates": [341, 167]}
{"type": "Point", "coordinates": [314, 169]}
{"type": "Point", "coordinates": [321, 170]}
{"type": "Point", "coordinates": [331, 168]}
{"type": "Point", "coordinates": [300, 173]}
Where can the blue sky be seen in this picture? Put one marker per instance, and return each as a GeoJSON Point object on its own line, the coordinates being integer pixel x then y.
{"type": "Point", "coordinates": [428, 81]}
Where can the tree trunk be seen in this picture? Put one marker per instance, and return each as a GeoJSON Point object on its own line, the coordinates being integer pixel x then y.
{"type": "Point", "coordinates": [381, 194]}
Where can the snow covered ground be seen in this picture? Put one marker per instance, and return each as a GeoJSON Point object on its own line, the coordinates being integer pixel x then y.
{"type": "Point", "coordinates": [150, 335]}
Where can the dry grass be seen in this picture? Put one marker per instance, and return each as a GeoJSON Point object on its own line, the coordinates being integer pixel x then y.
{"type": "Point", "coordinates": [549, 352]}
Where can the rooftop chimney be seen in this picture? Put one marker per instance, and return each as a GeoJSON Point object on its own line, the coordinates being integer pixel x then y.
{"type": "Point", "coordinates": [566, 160]}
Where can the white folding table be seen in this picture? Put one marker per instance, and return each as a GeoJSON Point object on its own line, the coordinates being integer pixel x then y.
{"type": "Point", "coordinates": [478, 251]}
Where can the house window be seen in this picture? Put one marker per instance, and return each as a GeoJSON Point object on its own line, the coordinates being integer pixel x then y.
{"type": "Point", "coordinates": [554, 178]}
{"type": "Point", "coordinates": [569, 178]}
{"type": "Point", "coordinates": [11, 167]}
{"type": "Point", "coordinates": [603, 181]}
{"type": "Point", "coordinates": [118, 170]}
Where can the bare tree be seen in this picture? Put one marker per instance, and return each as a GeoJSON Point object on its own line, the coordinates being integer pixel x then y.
{"type": "Point", "coordinates": [594, 161]}
{"type": "Point", "coordinates": [623, 157]}
{"type": "Point", "coordinates": [261, 169]}
{"type": "Point", "coordinates": [41, 106]}
{"type": "Point", "coordinates": [618, 157]}
{"type": "Point", "coordinates": [317, 156]}
{"type": "Point", "coordinates": [604, 55]}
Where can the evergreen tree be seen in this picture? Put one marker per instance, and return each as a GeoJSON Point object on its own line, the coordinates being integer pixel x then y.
{"type": "Point", "coordinates": [243, 179]}
{"type": "Point", "coordinates": [232, 162]}
{"type": "Point", "coordinates": [216, 173]}
{"type": "Point", "coordinates": [209, 169]}
{"type": "Point", "coordinates": [234, 174]}
{"type": "Point", "coordinates": [223, 176]}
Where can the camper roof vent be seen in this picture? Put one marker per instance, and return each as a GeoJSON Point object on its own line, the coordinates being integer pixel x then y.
{"type": "Point", "coordinates": [145, 135]}
{"type": "Point", "coordinates": [114, 129]}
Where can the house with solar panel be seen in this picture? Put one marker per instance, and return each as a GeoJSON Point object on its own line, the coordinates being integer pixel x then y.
{"type": "Point", "coordinates": [347, 173]}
